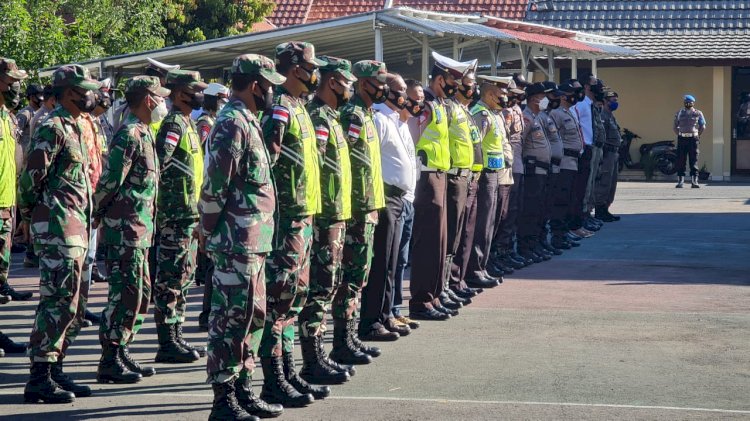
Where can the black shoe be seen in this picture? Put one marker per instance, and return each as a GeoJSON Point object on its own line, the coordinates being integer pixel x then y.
{"type": "Point", "coordinates": [591, 226]}
{"type": "Point", "coordinates": [111, 368]}
{"type": "Point", "coordinates": [494, 270]}
{"type": "Point", "coordinates": [4, 299]}
{"type": "Point", "coordinates": [10, 347]}
{"type": "Point", "coordinates": [602, 214]}
{"type": "Point", "coordinates": [446, 302]}
{"type": "Point", "coordinates": [542, 252]}
{"type": "Point", "coordinates": [17, 248]}
{"type": "Point", "coordinates": [511, 262]}
{"type": "Point", "coordinates": [501, 266]}
{"type": "Point", "coordinates": [456, 298]}
{"type": "Point", "coordinates": [96, 276]}
{"type": "Point", "coordinates": [344, 368]}
{"type": "Point", "coordinates": [615, 217]}
{"type": "Point", "coordinates": [344, 351]}
{"type": "Point", "coordinates": [8, 290]}
{"type": "Point", "coordinates": [372, 351]}
{"type": "Point", "coordinates": [430, 314]}
{"type": "Point", "coordinates": [481, 282]}
{"type": "Point", "coordinates": [452, 313]}
{"type": "Point", "coordinates": [519, 258]}
{"type": "Point", "coordinates": [400, 329]}
{"type": "Point", "coordinates": [547, 244]}
{"type": "Point", "coordinates": [225, 406]}
{"type": "Point", "coordinates": [133, 365]}
{"type": "Point", "coordinates": [560, 243]}
{"type": "Point", "coordinates": [465, 293]}
{"type": "Point", "coordinates": [379, 334]}
{"type": "Point", "coordinates": [318, 392]}
{"type": "Point", "coordinates": [170, 351]}
{"type": "Point", "coordinates": [203, 321]}
{"type": "Point", "coordinates": [66, 383]}
{"type": "Point", "coordinates": [201, 350]}
{"type": "Point", "coordinates": [277, 390]}
{"type": "Point", "coordinates": [252, 404]}
{"type": "Point", "coordinates": [314, 369]}
{"type": "Point", "coordinates": [41, 387]}
{"type": "Point", "coordinates": [93, 318]}
{"type": "Point", "coordinates": [572, 237]}
{"type": "Point", "coordinates": [529, 255]}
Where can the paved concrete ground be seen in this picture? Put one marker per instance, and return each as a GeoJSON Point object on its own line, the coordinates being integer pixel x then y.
{"type": "Point", "coordinates": [649, 319]}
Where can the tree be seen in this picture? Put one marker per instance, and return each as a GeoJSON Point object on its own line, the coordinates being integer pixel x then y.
{"type": "Point", "coordinates": [198, 20]}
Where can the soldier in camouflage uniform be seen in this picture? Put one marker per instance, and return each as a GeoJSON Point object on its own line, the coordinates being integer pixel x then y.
{"type": "Point", "coordinates": [290, 136]}
{"type": "Point", "coordinates": [125, 208]}
{"type": "Point", "coordinates": [181, 166]}
{"type": "Point", "coordinates": [330, 226]}
{"type": "Point", "coordinates": [55, 198]}
{"type": "Point", "coordinates": [367, 198]}
{"type": "Point", "coordinates": [237, 205]}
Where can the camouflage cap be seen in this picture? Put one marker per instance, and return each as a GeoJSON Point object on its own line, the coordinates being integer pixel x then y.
{"type": "Point", "coordinates": [370, 68]}
{"type": "Point", "coordinates": [74, 75]}
{"type": "Point", "coordinates": [296, 52]}
{"type": "Point", "coordinates": [9, 67]}
{"type": "Point", "coordinates": [256, 64]}
{"type": "Point", "coordinates": [146, 83]}
{"type": "Point", "coordinates": [338, 65]}
{"type": "Point", "coordinates": [185, 78]}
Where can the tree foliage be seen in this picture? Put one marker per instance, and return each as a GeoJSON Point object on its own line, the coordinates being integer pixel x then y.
{"type": "Point", "coordinates": [198, 20]}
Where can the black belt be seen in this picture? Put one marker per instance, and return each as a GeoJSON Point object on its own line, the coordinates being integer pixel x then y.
{"type": "Point", "coordinates": [572, 152]}
{"type": "Point", "coordinates": [391, 190]}
{"type": "Point", "coordinates": [542, 165]}
{"type": "Point", "coordinates": [555, 161]}
{"type": "Point", "coordinates": [598, 144]}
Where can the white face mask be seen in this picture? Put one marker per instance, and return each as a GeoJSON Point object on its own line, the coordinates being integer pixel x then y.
{"type": "Point", "coordinates": [158, 113]}
{"type": "Point", "coordinates": [543, 103]}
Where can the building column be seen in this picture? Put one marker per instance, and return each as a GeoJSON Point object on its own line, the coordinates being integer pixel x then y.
{"type": "Point", "coordinates": [718, 171]}
{"type": "Point", "coordinates": [378, 45]}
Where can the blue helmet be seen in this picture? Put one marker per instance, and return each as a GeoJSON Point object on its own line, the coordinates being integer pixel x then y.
{"type": "Point", "coordinates": [689, 97]}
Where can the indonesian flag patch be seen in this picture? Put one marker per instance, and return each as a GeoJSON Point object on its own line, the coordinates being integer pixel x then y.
{"type": "Point", "coordinates": [173, 138]}
{"type": "Point", "coordinates": [354, 130]}
{"type": "Point", "coordinates": [280, 113]}
{"type": "Point", "coordinates": [321, 132]}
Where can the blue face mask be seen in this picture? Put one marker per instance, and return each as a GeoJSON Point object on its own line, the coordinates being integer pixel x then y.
{"type": "Point", "coordinates": [613, 105]}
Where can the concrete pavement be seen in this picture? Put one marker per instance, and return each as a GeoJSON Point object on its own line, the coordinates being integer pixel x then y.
{"type": "Point", "coordinates": [649, 319]}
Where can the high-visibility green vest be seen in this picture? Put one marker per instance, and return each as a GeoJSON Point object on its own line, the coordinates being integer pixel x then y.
{"type": "Point", "coordinates": [301, 128]}
{"type": "Point", "coordinates": [187, 142]}
{"type": "Point", "coordinates": [492, 143]}
{"type": "Point", "coordinates": [7, 162]}
{"type": "Point", "coordinates": [434, 142]}
{"type": "Point", "coordinates": [155, 126]}
{"type": "Point", "coordinates": [461, 135]}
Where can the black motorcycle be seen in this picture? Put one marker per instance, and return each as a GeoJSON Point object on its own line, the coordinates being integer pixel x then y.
{"type": "Point", "coordinates": [663, 154]}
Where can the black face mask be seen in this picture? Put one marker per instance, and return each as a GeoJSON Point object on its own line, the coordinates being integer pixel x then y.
{"type": "Point", "coordinates": [104, 101]}
{"type": "Point", "coordinates": [449, 90]}
{"type": "Point", "coordinates": [398, 99]}
{"type": "Point", "coordinates": [503, 101]}
{"type": "Point", "coordinates": [468, 92]}
{"type": "Point", "coordinates": [580, 95]}
{"type": "Point", "coordinates": [688, 104]}
{"type": "Point", "coordinates": [573, 99]}
{"type": "Point", "coordinates": [599, 96]}
{"type": "Point", "coordinates": [343, 97]}
{"type": "Point", "coordinates": [196, 100]}
{"type": "Point", "coordinates": [381, 93]}
{"type": "Point", "coordinates": [12, 96]}
{"type": "Point", "coordinates": [553, 104]}
{"type": "Point", "coordinates": [313, 82]}
{"type": "Point", "coordinates": [265, 101]}
{"type": "Point", "coordinates": [87, 103]}
{"type": "Point", "coordinates": [415, 108]}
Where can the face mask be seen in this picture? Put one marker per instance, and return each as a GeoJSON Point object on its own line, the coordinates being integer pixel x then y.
{"type": "Point", "coordinates": [599, 96]}
{"type": "Point", "coordinates": [476, 96]}
{"type": "Point", "coordinates": [87, 103]}
{"type": "Point", "coordinates": [415, 108]}
{"type": "Point", "coordinates": [580, 95]}
{"type": "Point", "coordinates": [613, 105]}
{"type": "Point", "coordinates": [553, 104]}
{"type": "Point", "coordinates": [573, 99]}
{"type": "Point", "coordinates": [313, 82]}
{"type": "Point", "coordinates": [398, 99]}
{"type": "Point", "coordinates": [544, 103]}
{"type": "Point", "coordinates": [158, 113]}
{"type": "Point", "coordinates": [13, 94]}
{"type": "Point", "coordinates": [104, 101]}
{"type": "Point", "coordinates": [343, 97]}
{"type": "Point", "coordinates": [449, 90]}
{"type": "Point", "coordinates": [381, 93]}
{"type": "Point", "coordinates": [468, 92]}
{"type": "Point", "coordinates": [503, 101]}
{"type": "Point", "coordinates": [265, 101]}
{"type": "Point", "coordinates": [688, 104]}
{"type": "Point", "coordinates": [196, 100]}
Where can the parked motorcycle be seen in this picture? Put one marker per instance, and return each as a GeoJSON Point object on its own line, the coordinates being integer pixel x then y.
{"type": "Point", "coordinates": [663, 154]}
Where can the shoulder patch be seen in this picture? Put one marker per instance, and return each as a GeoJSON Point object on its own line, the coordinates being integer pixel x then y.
{"type": "Point", "coordinates": [172, 138]}
{"type": "Point", "coordinates": [354, 130]}
{"type": "Point", "coordinates": [321, 132]}
{"type": "Point", "coordinates": [281, 113]}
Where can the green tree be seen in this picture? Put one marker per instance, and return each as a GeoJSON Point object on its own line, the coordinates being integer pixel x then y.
{"type": "Point", "coordinates": [198, 20]}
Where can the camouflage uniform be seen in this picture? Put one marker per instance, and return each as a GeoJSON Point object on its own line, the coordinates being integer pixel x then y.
{"type": "Point", "coordinates": [237, 205]}
{"type": "Point", "coordinates": [55, 196]}
{"type": "Point", "coordinates": [181, 166]}
{"type": "Point", "coordinates": [290, 136]}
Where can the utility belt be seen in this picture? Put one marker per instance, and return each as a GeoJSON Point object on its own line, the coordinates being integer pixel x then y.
{"type": "Point", "coordinates": [687, 135]}
{"type": "Point", "coordinates": [575, 153]}
{"type": "Point", "coordinates": [598, 144]}
{"type": "Point", "coordinates": [610, 148]}
{"type": "Point", "coordinates": [430, 169]}
{"type": "Point", "coordinates": [531, 164]}
{"type": "Point", "coordinates": [390, 190]}
{"type": "Point", "coordinates": [555, 161]}
{"type": "Point", "coordinates": [460, 172]}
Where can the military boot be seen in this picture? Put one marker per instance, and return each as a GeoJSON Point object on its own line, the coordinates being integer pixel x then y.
{"type": "Point", "coordinates": [693, 184]}
{"type": "Point", "coordinates": [4, 299]}
{"type": "Point", "coordinates": [11, 347]}
{"type": "Point", "coordinates": [601, 213]}
{"type": "Point", "coordinates": [225, 406]}
{"type": "Point", "coordinates": [2, 352]}
{"type": "Point", "coordinates": [276, 389]}
{"type": "Point", "coordinates": [680, 181]}
{"type": "Point", "coordinates": [290, 373]}
{"type": "Point", "coordinates": [41, 387]}
{"type": "Point", "coordinates": [170, 351]}
{"type": "Point", "coordinates": [65, 382]}
{"type": "Point", "coordinates": [133, 365]}
{"type": "Point", "coordinates": [344, 351]}
{"type": "Point", "coordinates": [112, 369]}
{"type": "Point", "coordinates": [201, 350]}
{"type": "Point", "coordinates": [252, 404]}
{"type": "Point", "coordinates": [314, 369]}
{"type": "Point", "coordinates": [351, 327]}
{"type": "Point", "coordinates": [347, 368]}
{"type": "Point", "coordinates": [8, 290]}
{"type": "Point", "coordinates": [92, 317]}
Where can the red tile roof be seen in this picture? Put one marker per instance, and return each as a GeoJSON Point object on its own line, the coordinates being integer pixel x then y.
{"type": "Point", "coordinates": [263, 25]}
{"type": "Point", "coordinates": [290, 12]}
{"type": "Point", "coordinates": [329, 9]}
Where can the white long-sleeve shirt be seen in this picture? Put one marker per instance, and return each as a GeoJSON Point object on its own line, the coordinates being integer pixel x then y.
{"type": "Point", "coordinates": [397, 153]}
{"type": "Point", "coordinates": [583, 112]}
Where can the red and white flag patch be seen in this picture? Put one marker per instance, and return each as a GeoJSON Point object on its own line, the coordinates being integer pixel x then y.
{"type": "Point", "coordinates": [281, 114]}
{"type": "Point", "coordinates": [173, 138]}
{"type": "Point", "coordinates": [354, 131]}
{"type": "Point", "coordinates": [321, 132]}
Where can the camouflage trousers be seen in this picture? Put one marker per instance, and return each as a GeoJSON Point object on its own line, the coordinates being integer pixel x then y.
{"type": "Point", "coordinates": [176, 261]}
{"type": "Point", "coordinates": [128, 297]}
{"type": "Point", "coordinates": [238, 311]}
{"type": "Point", "coordinates": [60, 311]}
{"type": "Point", "coordinates": [287, 280]}
{"type": "Point", "coordinates": [356, 265]}
{"type": "Point", "coordinates": [6, 240]}
{"type": "Point", "coordinates": [325, 275]}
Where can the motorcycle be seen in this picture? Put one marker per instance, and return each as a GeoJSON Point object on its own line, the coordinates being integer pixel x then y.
{"type": "Point", "coordinates": [663, 154]}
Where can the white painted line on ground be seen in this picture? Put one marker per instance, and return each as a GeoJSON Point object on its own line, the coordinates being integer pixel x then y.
{"type": "Point", "coordinates": [593, 405]}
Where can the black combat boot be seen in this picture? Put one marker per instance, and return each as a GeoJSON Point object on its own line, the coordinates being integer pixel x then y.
{"type": "Point", "coordinates": [254, 405]}
{"type": "Point", "coordinates": [693, 184]}
{"type": "Point", "coordinates": [680, 181]}
{"type": "Point", "coordinates": [351, 327]}
{"type": "Point", "coordinates": [2, 352]}
{"type": "Point", "coordinates": [276, 389]}
{"type": "Point", "coordinates": [65, 382]}
{"type": "Point", "coordinates": [225, 406]}
{"type": "Point", "coordinates": [11, 347]}
{"type": "Point", "coordinates": [203, 321]}
{"type": "Point", "coordinates": [111, 368]}
{"type": "Point", "coordinates": [314, 369]}
{"type": "Point", "coordinates": [601, 213]}
{"type": "Point", "coordinates": [133, 365]}
{"type": "Point", "coordinates": [346, 368]}
{"type": "Point", "coordinates": [41, 387]}
{"type": "Point", "coordinates": [8, 290]}
{"type": "Point", "coordinates": [201, 350]}
{"type": "Point", "coordinates": [344, 352]}
{"type": "Point", "coordinates": [170, 351]}
{"type": "Point", "coordinates": [290, 373]}
{"type": "Point", "coordinates": [92, 317]}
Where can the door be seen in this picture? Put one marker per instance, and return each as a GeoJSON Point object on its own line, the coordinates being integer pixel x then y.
{"type": "Point", "coordinates": [741, 121]}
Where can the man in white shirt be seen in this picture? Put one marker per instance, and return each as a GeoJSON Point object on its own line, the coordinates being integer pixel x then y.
{"type": "Point", "coordinates": [399, 176]}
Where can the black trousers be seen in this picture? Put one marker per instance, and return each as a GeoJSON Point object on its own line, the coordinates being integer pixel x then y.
{"type": "Point", "coordinates": [579, 189]}
{"type": "Point", "coordinates": [466, 239]}
{"type": "Point", "coordinates": [377, 295]}
{"type": "Point", "coordinates": [458, 190]}
{"type": "Point", "coordinates": [530, 220]}
{"type": "Point", "coordinates": [501, 214]}
{"type": "Point", "coordinates": [508, 226]}
{"type": "Point", "coordinates": [562, 194]}
{"type": "Point", "coordinates": [687, 149]}
{"type": "Point", "coordinates": [485, 223]}
{"type": "Point", "coordinates": [430, 244]}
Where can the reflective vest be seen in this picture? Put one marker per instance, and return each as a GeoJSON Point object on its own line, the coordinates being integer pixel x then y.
{"type": "Point", "coordinates": [434, 142]}
{"type": "Point", "coordinates": [461, 135]}
{"type": "Point", "coordinates": [303, 151]}
{"type": "Point", "coordinates": [190, 143]}
{"type": "Point", "coordinates": [492, 143]}
{"type": "Point", "coordinates": [7, 162]}
{"type": "Point", "coordinates": [336, 167]}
